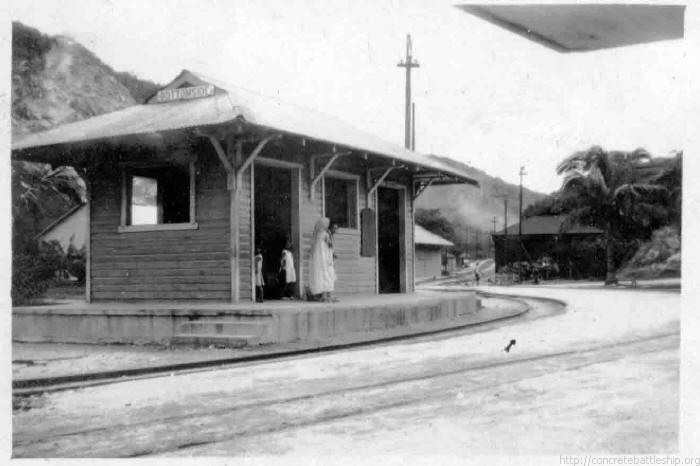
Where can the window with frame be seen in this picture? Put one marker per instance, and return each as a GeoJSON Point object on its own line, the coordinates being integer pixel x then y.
{"type": "Point", "coordinates": [340, 198]}
{"type": "Point", "coordinates": [157, 197]}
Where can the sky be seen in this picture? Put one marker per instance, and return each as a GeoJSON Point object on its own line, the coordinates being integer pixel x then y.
{"type": "Point", "coordinates": [483, 95]}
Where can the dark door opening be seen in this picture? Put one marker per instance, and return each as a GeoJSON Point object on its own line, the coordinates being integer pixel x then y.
{"type": "Point", "coordinates": [273, 222]}
{"type": "Point", "coordinates": [388, 239]}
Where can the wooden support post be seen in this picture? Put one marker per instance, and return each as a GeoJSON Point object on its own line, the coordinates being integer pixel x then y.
{"type": "Point", "coordinates": [85, 175]}
{"type": "Point", "coordinates": [88, 241]}
{"type": "Point", "coordinates": [251, 238]}
{"type": "Point", "coordinates": [368, 182]}
{"type": "Point", "coordinates": [234, 229]}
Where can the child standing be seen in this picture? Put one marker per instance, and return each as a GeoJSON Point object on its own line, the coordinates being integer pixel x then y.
{"type": "Point", "coordinates": [259, 282]}
{"type": "Point", "coordinates": [288, 277]}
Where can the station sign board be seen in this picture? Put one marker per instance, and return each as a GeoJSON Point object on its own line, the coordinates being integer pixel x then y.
{"type": "Point", "coordinates": [184, 93]}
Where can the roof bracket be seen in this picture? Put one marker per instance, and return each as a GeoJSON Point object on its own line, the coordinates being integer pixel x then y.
{"type": "Point", "coordinates": [315, 179]}
{"type": "Point", "coordinates": [422, 187]}
{"type": "Point", "coordinates": [251, 158]}
{"type": "Point", "coordinates": [376, 184]}
{"type": "Point", "coordinates": [228, 166]}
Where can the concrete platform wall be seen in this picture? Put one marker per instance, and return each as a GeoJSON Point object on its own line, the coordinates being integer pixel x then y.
{"type": "Point", "coordinates": [291, 323]}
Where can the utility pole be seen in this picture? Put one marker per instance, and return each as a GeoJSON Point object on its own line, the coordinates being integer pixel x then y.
{"type": "Point", "coordinates": [505, 229]}
{"type": "Point", "coordinates": [466, 244]}
{"type": "Point", "coordinates": [520, 222]}
{"type": "Point", "coordinates": [520, 210]}
{"type": "Point", "coordinates": [493, 239]}
{"type": "Point", "coordinates": [408, 63]}
{"type": "Point", "coordinates": [413, 126]}
{"type": "Point", "coordinates": [504, 196]}
{"type": "Point", "coordinates": [477, 246]}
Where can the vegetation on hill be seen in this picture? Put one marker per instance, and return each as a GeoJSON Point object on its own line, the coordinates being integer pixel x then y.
{"type": "Point", "coordinates": [622, 193]}
{"type": "Point", "coordinates": [55, 80]}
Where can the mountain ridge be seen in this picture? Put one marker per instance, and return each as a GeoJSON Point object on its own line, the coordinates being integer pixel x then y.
{"type": "Point", "coordinates": [468, 207]}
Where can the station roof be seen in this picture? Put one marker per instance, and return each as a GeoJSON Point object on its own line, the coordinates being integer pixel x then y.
{"type": "Point", "coordinates": [220, 103]}
{"type": "Point", "coordinates": [585, 27]}
{"type": "Point", "coordinates": [425, 237]}
{"type": "Point", "coordinates": [549, 225]}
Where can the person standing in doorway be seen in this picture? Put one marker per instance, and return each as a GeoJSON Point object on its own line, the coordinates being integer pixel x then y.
{"type": "Point", "coordinates": [287, 274]}
{"type": "Point", "coordinates": [322, 280]}
{"type": "Point", "coordinates": [259, 281]}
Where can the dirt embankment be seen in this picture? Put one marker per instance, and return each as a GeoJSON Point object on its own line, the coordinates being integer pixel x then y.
{"type": "Point", "coordinates": [660, 257]}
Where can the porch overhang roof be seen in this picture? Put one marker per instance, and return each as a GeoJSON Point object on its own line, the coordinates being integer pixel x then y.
{"type": "Point", "coordinates": [585, 27]}
{"type": "Point", "coordinates": [228, 104]}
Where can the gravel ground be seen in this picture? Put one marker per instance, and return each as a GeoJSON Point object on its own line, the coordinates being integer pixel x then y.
{"type": "Point", "coordinates": [602, 377]}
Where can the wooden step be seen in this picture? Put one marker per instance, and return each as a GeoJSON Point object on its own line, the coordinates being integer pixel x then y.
{"type": "Point", "coordinates": [227, 327]}
{"type": "Point", "coordinates": [217, 340]}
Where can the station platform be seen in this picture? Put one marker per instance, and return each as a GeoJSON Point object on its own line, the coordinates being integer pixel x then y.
{"type": "Point", "coordinates": [244, 324]}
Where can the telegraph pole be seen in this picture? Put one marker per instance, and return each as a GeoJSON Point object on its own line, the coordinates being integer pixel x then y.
{"type": "Point", "coordinates": [505, 229]}
{"type": "Point", "coordinates": [493, 239]}
{"type": "Point", "coordinates": [504, 196]}
{"type": "Point", "coordinates": [520, 222]}
{"type": "Point", "coordinates": [520, 210]}
{"type": "Point", "coordinates": [413, 126]}
{"type": "Point", "coordinates": [466, 239]}
{"type": "Point", "coordinates": [408, 63]}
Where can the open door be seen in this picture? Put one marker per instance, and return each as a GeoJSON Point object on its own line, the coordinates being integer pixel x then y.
{"type": "Point", "coordinates": [389, 240]}
{"type": "Point", "coordinates": [273, 222]}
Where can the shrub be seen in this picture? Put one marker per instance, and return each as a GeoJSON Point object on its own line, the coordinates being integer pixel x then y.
{"type": "Point", "coordinates": [34, 267]}
{"type": "Point", "coordinates": [75, 262]}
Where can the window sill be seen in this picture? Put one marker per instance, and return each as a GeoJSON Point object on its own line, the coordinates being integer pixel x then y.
{"type": "Point", "coordinates": [347, 231]}
{"type": "Point", "coordinates": [159, 227]}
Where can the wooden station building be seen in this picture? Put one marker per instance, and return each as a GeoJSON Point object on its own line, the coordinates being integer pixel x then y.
{"type": "Point", "coordinates": [182, 189]}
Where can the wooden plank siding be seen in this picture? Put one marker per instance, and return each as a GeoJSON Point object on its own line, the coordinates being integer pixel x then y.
{"type": "Point", "coordinates": [162, 265]}
{"type": "Point", "coordinates": [355, 274]}
{"type": "Point", "coordinates": [196, 264]}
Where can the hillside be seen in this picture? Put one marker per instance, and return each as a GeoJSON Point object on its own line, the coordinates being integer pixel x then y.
{"type": "Point", "coordinates": [56, 80]}
{"type": "Point", "coordinates": [466, 205]}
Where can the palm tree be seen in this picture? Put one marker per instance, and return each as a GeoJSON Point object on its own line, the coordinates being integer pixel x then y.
{"type": "Point", "coordinates": [612, 191]}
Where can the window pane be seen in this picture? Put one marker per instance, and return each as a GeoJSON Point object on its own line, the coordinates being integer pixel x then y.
{"type": "Point", "coordinates": [144, 201]}
{"type": "Point", "coordinates": [160, 195]}
{"type": "Point", "coordinates": [341, 202]}
{"type": "Point", "coordinates": [174, 183]}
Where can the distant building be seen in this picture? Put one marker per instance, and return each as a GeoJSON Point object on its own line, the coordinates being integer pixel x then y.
{"type": "Point", "coordinates": [70, 229]}
{"type": "Point", "coordinates": [545, 236]}
{"type": "Point", "coordinates": [430, 249]}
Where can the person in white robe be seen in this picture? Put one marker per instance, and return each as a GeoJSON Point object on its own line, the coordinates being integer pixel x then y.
{"type": "Point", "coordinates": [322, 272]}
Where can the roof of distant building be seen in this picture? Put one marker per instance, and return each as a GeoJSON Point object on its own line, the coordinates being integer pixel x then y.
{"type": "Point", "coordinates": [428, 238]}
{"type": "Point", "coordinates": [549, 225]}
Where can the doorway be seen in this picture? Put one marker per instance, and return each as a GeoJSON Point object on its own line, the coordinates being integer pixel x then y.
{"type": "Point", "coordinates": [389, 240]}
{"type": "Point", "coordinates": [273, 222]}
